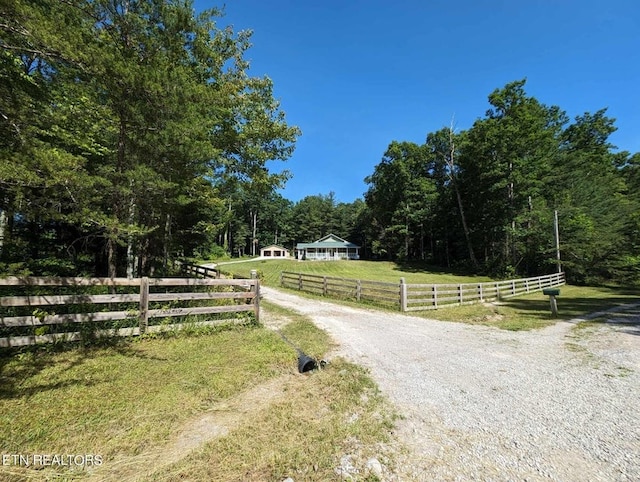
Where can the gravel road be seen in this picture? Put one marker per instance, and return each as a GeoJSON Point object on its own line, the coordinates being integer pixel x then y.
{"type": "Point", "coordinates": [560, 403]}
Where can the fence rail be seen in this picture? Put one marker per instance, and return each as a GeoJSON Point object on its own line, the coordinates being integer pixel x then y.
{"type": "Point", "coordinates": [417, 297]}
{"type": "Point", "coordinates": [196, 270]}
{"type": "Point", "coordinates": [151, 298]}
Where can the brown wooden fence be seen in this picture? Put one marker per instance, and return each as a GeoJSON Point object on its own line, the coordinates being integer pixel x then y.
{"type": "Point", "coordinates": [359, 290]}
{"type": "Point", "coordinates": [416, 297]}
{"type": "Point", "coordinates": [36, 303]}
{"type": "Point", "coordinates": [197, 270]}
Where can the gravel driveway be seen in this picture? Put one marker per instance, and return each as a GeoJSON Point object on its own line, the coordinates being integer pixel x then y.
{"type": "Point", "coordinates": [560, 403]}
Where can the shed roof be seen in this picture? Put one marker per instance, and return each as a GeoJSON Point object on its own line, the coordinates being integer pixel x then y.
{"type": "Point", "coordinates": [276, 246]}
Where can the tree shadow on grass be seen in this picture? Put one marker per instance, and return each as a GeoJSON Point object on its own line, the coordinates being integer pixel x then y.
{"type": "Point", "coordinates": [18, 365]}
{"type": "Point", "coordinates": [422, 267]}
{"type": "Point", "coordinates": [618, 310]}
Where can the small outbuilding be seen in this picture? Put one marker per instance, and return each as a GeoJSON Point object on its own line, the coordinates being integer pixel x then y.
{"type": "Point", "coordinates": [331, 247]}
{"type": "Point", "coordinates": [274, 251]}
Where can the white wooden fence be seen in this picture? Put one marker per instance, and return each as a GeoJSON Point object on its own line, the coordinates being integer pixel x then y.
{"type": "Point", "coordinates": [417, 297]}
{"type": "Point", "coordinates": [152, 298]}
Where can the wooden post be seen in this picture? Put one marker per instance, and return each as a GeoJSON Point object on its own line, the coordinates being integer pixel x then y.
{"type": "Point", "coordinates": [324, 286]}
{"type": "Point", "coordinates": [556, 233]}
{"type": "Point", "coordinates": [460, 293]}
{"type": "Point", "coordinates": [358, 289]}
{"type": "Point", "coordinates": [435, 296]}
{"type": "Point", "coordinates": [256, 294]}
{"type": "Point", "coordinates": [144, 305]}
{"type": "Point", "coordinates": [403, 295]}
{"type": "Point", "coordinates": [480, 292]}
{"type": "Point", "coordinates": [281, 278]}
{"type": "Point", "coordinates": [554, 305]}
{"type": "Point", "coordinates": [300, 281]}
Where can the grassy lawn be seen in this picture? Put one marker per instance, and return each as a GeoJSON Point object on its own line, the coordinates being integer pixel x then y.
{"type": "Point", "coordinates": [520, 313]}
{"type": "Point", "coordinates": [365, 270]}
{"type": "Point", "coordinates": [126, 400]}
{"type": "Point", "coordinates": [533, 311]}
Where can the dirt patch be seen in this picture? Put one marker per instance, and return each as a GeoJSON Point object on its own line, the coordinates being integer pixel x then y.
{"type": "Point", "coordinates": [217, 421]}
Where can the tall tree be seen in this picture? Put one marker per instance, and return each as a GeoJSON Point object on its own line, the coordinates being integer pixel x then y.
{"type": "Point", "coordinates": [506, 162]}
{"type": "Point", "coordinates": [128, 106]}
{"type": "Point", "coordinates": [589, 195]}
{"type": "Point", "coordinates": [401, 195]}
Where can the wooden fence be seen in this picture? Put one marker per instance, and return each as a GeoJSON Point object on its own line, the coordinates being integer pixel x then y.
{"type": "Point", "coordinates": [36, 308]}
{"type": "Point", "coordinates": [360, 290]}
{"type": "Point", "coordinates": [417, 297]}
{"type": "Point", "coordinates": [196, 270]}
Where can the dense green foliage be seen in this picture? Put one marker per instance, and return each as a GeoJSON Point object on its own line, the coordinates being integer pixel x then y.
{"type": "Point", "coordinates": [486, 197]}
{"type": "Point", "coordinates": [131, 133]}
{"type": "Point", "coordinates": [125, 127]}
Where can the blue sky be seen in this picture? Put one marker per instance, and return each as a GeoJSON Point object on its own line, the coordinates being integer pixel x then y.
{"type": "Point", "coordinates": [355, 75]}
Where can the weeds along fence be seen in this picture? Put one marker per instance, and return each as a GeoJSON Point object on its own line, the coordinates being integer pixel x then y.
{"type": "Point", "coordinates": [37, 310]}
{"type": "Point", "coordinates": [417, 297]}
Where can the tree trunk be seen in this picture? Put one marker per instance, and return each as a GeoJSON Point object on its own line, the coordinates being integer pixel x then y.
{"type": "Point", "coordinates": [465, 227]}
{"type": "Point", "coordinates": [167, 241]}
{"type": "Point", "coordinates": [111, 258]}
{"type": "Point", "coordinates": [3, 229]}
{"type": "Point", "coordinates": [254, 240]}
{"type": "Point", "coordinates": [130, 253]}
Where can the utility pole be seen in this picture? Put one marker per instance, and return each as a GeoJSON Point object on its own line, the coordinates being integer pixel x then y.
{"type": "Point", "coordinates": [557, 236]}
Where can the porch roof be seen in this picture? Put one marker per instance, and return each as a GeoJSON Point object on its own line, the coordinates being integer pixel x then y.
{"type": "Point", "coordinates": [329, 241]}
{"type": "Point", "coordinates": [325, 245]}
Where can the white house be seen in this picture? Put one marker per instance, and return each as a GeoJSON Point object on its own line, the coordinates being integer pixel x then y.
{"type": "Point", "coordinates": [274, 251]}
{"type": "Point", "coordinates": [331, 247]}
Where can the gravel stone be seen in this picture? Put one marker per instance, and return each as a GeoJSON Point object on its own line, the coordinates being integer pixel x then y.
{"type": "Point", "coordinates": [480, 403]}
{"type": "Point", "coordinates": [374, 466]}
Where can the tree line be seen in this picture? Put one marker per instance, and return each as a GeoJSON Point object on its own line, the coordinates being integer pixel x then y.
{"type": "Point", "coordinates": [126, 130]}
{"type": "Point", "coordinates": [131, 133]}
{"type": "Point", "coordinates": [486, 199]}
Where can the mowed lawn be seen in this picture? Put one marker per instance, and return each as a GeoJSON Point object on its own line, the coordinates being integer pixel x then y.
{"type": "Point", "coordinates": [127, 403]}
{"type": "Point", "coordinates": [524, 312]}
{"type": "Point", "coordinates": [365, 270]}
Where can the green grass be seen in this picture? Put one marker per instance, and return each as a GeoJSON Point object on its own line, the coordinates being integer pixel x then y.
{"type": "Point", "coordinates": [333, 412]}
{"type": "Point", "coordinates": [365, 270]}
{"type": "Point", "coordinates": [128, 399]}
{"type": "Point", "coordinates": [520, 313]}
{"type": "Point", "coordinates": [533, 311]}
{"type": "Point", "coordinates": [300, 331]}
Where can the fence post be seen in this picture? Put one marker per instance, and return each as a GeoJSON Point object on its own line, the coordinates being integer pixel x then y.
{"type": "Point", "coordinates": [324, 286]}
{"type": "Point", "coordinates": [435, 296]}
{"type": "Point", "coordinates": [460, 293]}
{"type": "Point", "coordinates": [403, 295]}
{"type": "Point", "coordinates": [256, 294]}
{"type": "Point", "coordinates": [358, 289]}
{"type": "Point", "coordinates": [144, 304]}
{"type": "Point", "coordinates": [300, 281]}
{"type": "Point", "coordinates": [281, 278]}
{"type": "Point", "coordinates": [480, 293]}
